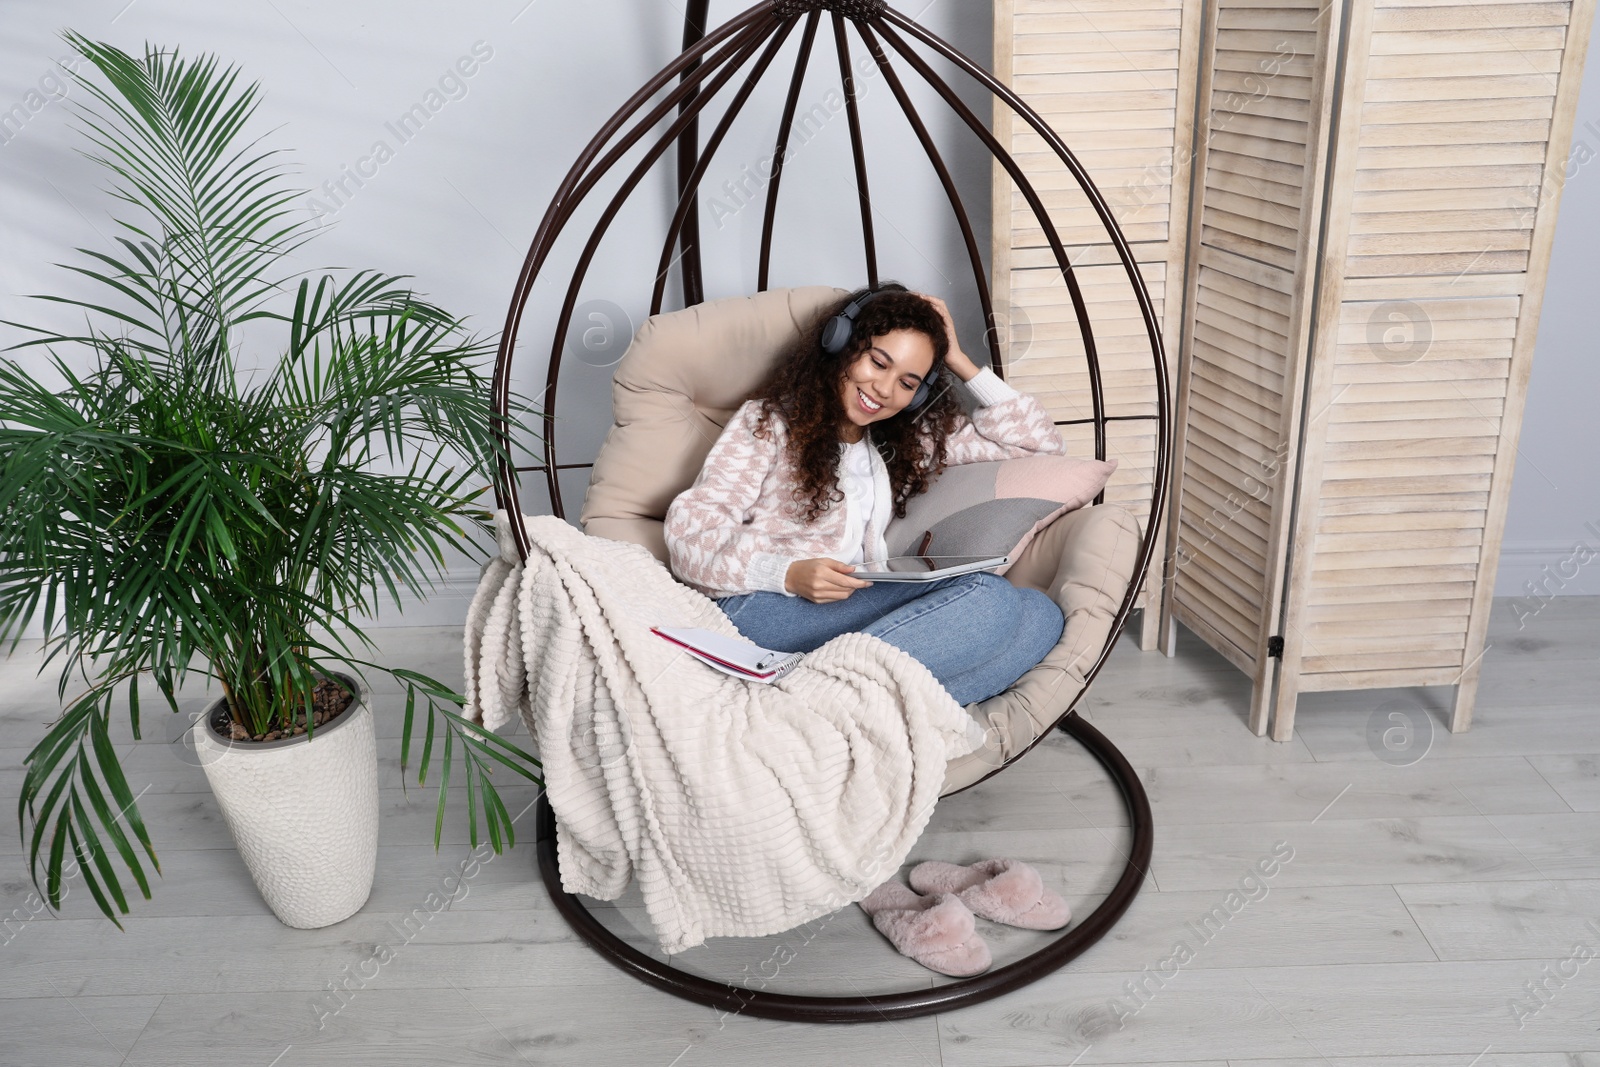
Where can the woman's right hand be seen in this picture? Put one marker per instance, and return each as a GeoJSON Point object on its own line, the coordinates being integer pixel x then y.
{"type": "Point", "coordinates": [822, 580]}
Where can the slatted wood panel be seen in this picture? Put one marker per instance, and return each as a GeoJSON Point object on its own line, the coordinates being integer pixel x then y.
{"type": "Point", "coordinates": [1115, 79]}
{"type": "Point", "coordinates": [1454, 129]}
{"type": "Point", "coordinates": [1257, 162]}
{"type": "Point", "coordinates": [1407, 511]}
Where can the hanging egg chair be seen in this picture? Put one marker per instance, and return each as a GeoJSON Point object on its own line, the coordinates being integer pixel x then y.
{"type": "Point", "coordinates": [750, 43]}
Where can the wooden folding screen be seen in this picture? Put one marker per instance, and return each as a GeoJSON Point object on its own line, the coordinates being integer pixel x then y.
{"type": "Point", "coordinates": [1376, 195]}
{"type": "Point", "coordinates": [1348, 240]}
{"type": "Point", "coordinates": [1117, 80]}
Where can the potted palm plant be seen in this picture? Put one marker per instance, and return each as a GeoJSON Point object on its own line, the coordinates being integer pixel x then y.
{"type": "Point", "coordinates": [172, 508]}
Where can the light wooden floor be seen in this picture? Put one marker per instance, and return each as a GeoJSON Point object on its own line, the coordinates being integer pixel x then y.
{"type": "Point", "coordinates": [1419, 902]}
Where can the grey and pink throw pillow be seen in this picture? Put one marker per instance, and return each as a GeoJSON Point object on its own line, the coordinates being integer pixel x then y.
{"type": "Point", "coordinates": [993, 509]}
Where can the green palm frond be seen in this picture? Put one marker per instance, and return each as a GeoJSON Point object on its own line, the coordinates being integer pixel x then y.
{"type": "Point", "coordinates": [166, 515]}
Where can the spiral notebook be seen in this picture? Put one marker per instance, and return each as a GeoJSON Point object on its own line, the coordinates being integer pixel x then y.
{"type": "Point", "coordinates": [731, 655]}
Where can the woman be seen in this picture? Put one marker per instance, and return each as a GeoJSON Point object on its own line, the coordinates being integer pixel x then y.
{"type": "Point", "coordinates": [759, 530]}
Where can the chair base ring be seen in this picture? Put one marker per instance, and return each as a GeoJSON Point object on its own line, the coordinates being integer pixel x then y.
{"type": "Point", "coordinates": [794, 1008]}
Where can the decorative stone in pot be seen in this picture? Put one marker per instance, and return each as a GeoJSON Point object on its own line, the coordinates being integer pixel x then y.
{"type": "Point", "coordinates": [303, 811]}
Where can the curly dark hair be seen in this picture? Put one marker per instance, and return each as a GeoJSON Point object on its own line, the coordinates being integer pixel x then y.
{"type": "Point", "coordinates": [804, 390]}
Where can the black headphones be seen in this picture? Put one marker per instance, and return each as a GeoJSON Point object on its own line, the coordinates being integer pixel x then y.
{"type": "Point", "coordinates": [838, 330]}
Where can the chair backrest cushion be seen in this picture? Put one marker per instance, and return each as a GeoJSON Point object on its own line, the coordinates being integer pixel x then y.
{"type": "Point", "coordinates": [680, 382]}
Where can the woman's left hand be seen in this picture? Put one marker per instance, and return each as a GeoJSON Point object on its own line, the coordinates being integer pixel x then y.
{"type": "Point", "coordinates": [957, 360]}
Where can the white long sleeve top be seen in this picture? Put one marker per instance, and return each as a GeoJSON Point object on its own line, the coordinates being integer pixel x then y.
{"type": "Point", "coordinates": [737, 530]}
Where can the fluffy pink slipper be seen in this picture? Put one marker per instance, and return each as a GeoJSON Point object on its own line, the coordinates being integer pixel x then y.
{"type": "Point", "coordinates": [936, 931]}
{"type": "Point", "coordinates": [1006, 891]}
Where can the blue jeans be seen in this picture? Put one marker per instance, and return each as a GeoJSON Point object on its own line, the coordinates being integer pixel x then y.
{"type": "Point", "coordinates": [977, 632]}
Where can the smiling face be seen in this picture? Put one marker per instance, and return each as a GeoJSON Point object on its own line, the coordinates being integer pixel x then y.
{"type": "Point", "coordinates": [883, 379]}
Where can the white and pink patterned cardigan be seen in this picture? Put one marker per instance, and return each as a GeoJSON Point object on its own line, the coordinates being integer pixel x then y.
{"type": "Point", "coordinates": [736, 530]}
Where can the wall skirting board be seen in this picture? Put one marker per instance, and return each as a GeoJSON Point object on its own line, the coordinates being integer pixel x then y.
{"type": "Point", "coordinates": [1538, 569]}
{"type": "Point", "coordinates": [1543, 569]}
{"type": "Point", "coordinates": [445, 606]}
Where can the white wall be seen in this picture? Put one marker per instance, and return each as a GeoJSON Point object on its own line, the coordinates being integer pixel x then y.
{"type": "Point", "coordinates": [458, 202]}
{"type": "Point", "coordinates": [1554, 521]}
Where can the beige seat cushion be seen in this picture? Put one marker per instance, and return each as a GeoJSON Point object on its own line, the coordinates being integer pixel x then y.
{"type": "Point", "coordinates": [680, 382]}
{"type": "Point", "coordinates": [1083, 560]}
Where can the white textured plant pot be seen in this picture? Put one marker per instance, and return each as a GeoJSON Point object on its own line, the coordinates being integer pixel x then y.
{"type": "Point", "coordinates": [303, 813]}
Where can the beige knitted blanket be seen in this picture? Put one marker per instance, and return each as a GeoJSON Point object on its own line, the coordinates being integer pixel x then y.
{"type": "Point", "coordinates": [743, 809]}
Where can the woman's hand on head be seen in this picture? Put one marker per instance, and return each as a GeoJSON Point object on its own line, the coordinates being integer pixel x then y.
{"type": "Point", "coordinates": [822, 580]}
{"type": "Point", "coordinates": [956, 359]}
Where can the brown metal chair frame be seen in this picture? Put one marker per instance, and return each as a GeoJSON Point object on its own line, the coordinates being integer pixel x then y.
{"type": "Point", "coordinates": [708, 62]}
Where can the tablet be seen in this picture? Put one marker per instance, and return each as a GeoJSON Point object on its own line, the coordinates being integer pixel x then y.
{"type": "Point", "coordinates": [924, 568]}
